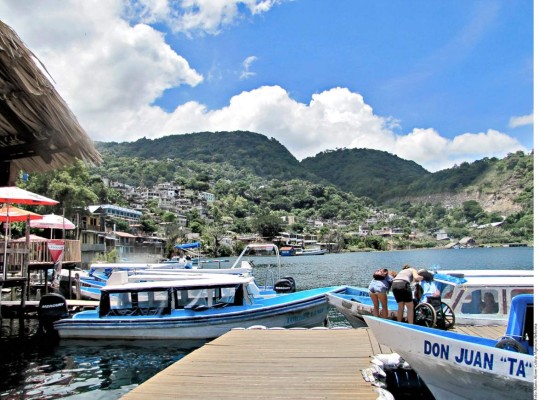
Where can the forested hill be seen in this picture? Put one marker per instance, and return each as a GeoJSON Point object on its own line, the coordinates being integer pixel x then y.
{"type": "Point", "coordinates": [364, 172]}
{"type": "Point", "coordinates": [376, 174]}
{"type": "Point", "coordinates": [253, 152]}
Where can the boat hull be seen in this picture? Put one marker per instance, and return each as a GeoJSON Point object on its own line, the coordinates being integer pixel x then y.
{"type": "Point", "coordinates": [456, 366]}
{"type": "Point", "coordinates": [355, 303]}
{"type": "Point", "coordinates": [287, 311]}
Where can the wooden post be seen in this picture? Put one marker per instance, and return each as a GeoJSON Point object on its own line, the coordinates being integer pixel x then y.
{"type": "Point", "coordinates": [77, 286]}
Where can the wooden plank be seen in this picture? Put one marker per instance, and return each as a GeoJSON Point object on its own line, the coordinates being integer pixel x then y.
{"type": "Point", "coordinates": [277, 364]}
{"type": "Point", "coordinates": [269, 364]}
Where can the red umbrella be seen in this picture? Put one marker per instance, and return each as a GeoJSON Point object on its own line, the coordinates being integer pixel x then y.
{"type": "Point", "coordinates": [14, 214]}
{"type": "Point", "coordinates": [15, 195]}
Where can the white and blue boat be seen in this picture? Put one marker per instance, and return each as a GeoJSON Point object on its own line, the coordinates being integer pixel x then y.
{"type": "Point", "coordinates": [462, 293]}
{"type": "Point", "coordinates": [457, 367]}
{"type": "Point", "coordinates": [198, 308]}
{"type": "Point", "coordinates": [90, 283]}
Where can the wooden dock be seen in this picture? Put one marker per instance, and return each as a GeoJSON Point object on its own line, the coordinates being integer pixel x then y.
{"type": "Point", "coordinates": [277, 364]}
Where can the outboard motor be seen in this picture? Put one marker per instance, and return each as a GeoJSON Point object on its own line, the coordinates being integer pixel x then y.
{"type": "Point", "coordinates": [52, 307]}
{"type": "Point", "coordinates": [285, 285]}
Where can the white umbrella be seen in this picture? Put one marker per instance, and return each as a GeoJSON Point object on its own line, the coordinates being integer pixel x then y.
{"type": "Point", "coordinates": [52, 221]}
{"type": "Point", "coordinates": [15, 195]}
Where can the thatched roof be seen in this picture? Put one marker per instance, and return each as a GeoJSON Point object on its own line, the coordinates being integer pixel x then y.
{"type": "Point", "coordinates": [38, 131]}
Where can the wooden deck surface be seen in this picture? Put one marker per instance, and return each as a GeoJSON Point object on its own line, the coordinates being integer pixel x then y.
{"type": "Point", "coordinates": [277, 364]}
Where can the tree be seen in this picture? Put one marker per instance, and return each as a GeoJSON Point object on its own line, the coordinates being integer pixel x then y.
{"type": "Point", "coordinates": [267, 225]}
{"type": "Point", "coordinates": [471, 209]}
{"type": "Point", "coordinates": [68, 185]}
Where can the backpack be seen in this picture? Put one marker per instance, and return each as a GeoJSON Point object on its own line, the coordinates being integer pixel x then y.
{"type": "Point", "coordinates": [380, 274]}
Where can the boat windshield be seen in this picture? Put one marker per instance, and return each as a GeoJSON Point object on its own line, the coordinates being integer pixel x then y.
{"type": "Point", "coordinates": [197, 299]}
{"type": "Point", "coordinates": [154, 302]}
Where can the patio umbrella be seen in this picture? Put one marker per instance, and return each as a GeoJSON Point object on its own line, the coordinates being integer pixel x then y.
{"type": "Point", "coordinates": [52, 221]}
{"type": "Point", "coordinates": [33, 238]}
{"type": "Point", "coordinates": [13, 214]}
{"type": "Point", "coordinates": [15, 195]}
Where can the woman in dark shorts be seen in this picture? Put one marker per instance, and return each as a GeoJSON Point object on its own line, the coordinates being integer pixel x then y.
{"type": "Point", "coordinates": [402, 291]}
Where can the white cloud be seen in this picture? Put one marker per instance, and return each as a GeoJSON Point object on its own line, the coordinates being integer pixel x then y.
{"type": "Point", "coordinates": [336, 118]}
{"type": "Point", "coordinates": [522, 120]}
{"type": "Point", "coordinates": [246, 73]}
{"type": "Point", "coordinates": [111, 73]}
{"type": "Point", "coordinates": [199, 16]}
{"type": "Point", "coordinates": [101, 64]}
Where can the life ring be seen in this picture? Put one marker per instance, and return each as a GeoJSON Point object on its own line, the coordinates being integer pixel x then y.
{"type": "Point", "coordinates": [511, 345]}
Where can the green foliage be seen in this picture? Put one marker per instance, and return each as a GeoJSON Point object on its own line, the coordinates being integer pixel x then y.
{"type": "Point", "coordinates": [364, 172]}
{"type": "Point", "coordinates": [72, 186]}
{"type": "Point", "coordinates": [472, 210]}
{"type": "Point", "coordinates": [257, 181]}
{"type": "Point", "coordinates": [267, 225]}
{"type": "Point", "coordinates": [249, 151]}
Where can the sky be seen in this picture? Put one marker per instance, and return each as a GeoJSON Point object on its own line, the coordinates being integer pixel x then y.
{"type": "Point", "coordinates": [438, 83]}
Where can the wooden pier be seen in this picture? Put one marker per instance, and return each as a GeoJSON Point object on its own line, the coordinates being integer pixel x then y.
{"type": "Point", "coordinates": [277, 364]}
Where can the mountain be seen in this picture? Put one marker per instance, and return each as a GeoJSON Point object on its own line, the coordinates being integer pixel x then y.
{"type": "Point", "coordinates": [253, 152]}
{"type": "Point", "coordinates": [498, 185]}
{"type": "Point", "coordinates": [364, 172]}
{"type": "Point", "coordinates": [504, 185]}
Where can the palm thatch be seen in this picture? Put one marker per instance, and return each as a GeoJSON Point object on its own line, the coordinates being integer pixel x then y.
{"type": "Point", "coordinates": [38, 131]}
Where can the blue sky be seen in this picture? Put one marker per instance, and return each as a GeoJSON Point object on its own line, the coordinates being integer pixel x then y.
{"type": "Point", "coordinates": [438, 83]}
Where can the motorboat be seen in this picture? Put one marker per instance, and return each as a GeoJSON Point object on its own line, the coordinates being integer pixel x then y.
{"type": "Point", "coordinates": [482, 297]}
{"type": "Point", "coordinates": [300, 251]}
{"type": "Point", "coordinates": [354, 303]}
{"type": "Point", "coordinates": [89, 285]}
{"type": "Point", "coordinates": [456, 366]}
{"type": "Point", "coordinates": [311, 252]}
{"type": "Point", "coordinates": [462, 291]}
{"type": "Point", "coordinates": [201, 307]}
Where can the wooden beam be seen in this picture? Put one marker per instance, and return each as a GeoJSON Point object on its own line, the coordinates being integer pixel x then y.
{"type": "Point", "coordinates": [39, 148]}
{"type": "Point", "coordinates": [5, 166]}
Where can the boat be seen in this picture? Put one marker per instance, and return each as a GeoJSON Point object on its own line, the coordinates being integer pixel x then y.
{"type": "Point", "coordinates": [287, 251]}
{"type": "Point", "coordinates": [299, 251]}
{"type": "Point", "coordinates": [456, 366]}
{"type": "Point", "coordinates": [354, 303]}
{"type": "Point", "coordinates": [88, 286]}
{"type": "Point", "coordinates": [311, 252]}
{"type": "Point", "coordinates": [199, 308]}
{"type": "Point", "coordinates": [463, 291]}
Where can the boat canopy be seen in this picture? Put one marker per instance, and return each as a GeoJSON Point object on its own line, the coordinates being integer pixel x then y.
{"type": "Point", "coordinates": [194, 281]}
{"type": "Point", "coordinates": [184, 246]}
{"type": "Point", "coordinates": [449, 279]}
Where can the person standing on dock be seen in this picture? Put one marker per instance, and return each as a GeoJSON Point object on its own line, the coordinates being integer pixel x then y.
{"type": "Point", "coordinates": [402, 291]}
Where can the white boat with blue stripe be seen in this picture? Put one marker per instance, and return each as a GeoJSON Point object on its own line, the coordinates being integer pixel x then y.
{"type": "Point", "coordinates": [202, 306]}
{"type": "Point", "coordinates": [456, 366]}
{"type": "Point", "coordinates": [462, 291]}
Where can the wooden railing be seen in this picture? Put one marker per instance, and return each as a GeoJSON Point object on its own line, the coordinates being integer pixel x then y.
{"type": "Point", "coordinates": [38, 253]}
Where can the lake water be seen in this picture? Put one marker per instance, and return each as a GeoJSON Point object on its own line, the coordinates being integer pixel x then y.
{"type": "Point", "coordinates": [109, 369]}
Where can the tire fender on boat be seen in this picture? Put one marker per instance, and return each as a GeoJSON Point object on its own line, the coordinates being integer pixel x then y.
{"type": "Point", "coordinates": [511, 344]}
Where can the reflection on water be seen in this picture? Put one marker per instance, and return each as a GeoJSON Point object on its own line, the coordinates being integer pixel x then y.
{"type": "Point", "coordinates": [33, 369]}
{"type": "Point", "coordinates": [40, 369]}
